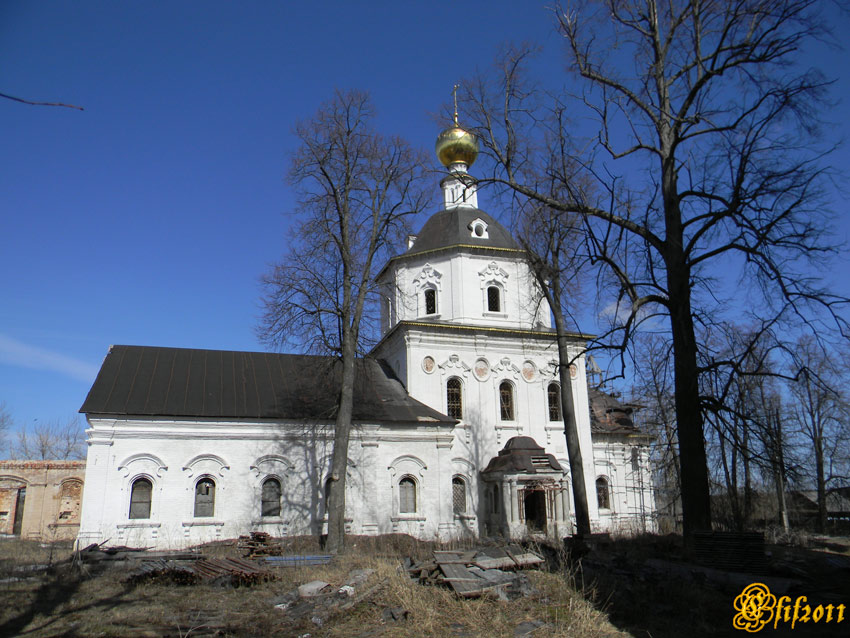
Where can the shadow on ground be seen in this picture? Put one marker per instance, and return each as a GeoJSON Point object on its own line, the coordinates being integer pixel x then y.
{"type": "Point", "coordinates": [648, 588]}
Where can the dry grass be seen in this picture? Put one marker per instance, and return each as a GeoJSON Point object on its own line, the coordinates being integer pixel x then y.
{"type": "Point", "coordinates": [65, 601]}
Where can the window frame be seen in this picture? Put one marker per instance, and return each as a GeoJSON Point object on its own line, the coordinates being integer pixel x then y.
{"type": "Point", "coordinates": [431, 292]}
{"type": "Point", "coordinates": [489, 297]}
{"type": "Point", "coordinates": [133, 484]}
{"type": "Point", "coordinates": [603, 482]}
{"type": "Point", "coordinates": [204, 479]}
{"type": "Point", "coordinates": [458, 480]}
{"type": "Point", "coordinates": [507, 410]}
{"type": "Point", "coordinates": [414, 494]}
{"type": "Point", "coordinates": [556, 407]}
{"type": "Point", "coordinates": [263, 500]}
{"type": "Point", "coordinates": [449, 404]}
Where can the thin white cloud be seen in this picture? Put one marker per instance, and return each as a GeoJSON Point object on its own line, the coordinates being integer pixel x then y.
{"type": "Point", "coordinates": [16, 353]}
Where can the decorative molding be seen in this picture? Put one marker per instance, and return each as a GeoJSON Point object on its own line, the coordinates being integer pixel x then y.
{"type": "Point", "coordinates": [505, 367]}
{"type": "Point", "coordinates": [481, 369]}
{"type": "Point", "coordinates": [428, 276]}
{"type": "Point", "coordinates": [529, 370]}
{"type": "Point", "coordinates": [397, 466]}
{"type": "Point", "coordinates": [143, 457]}
{"type": "Point", "coordinates": [454, 364]}
{"type": "Point", "coordinates": [216, 460]}
{"type": "Point", "coordinates": [493, 273]}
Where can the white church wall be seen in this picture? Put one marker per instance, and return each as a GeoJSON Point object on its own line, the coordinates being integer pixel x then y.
{"type": "Point", "coordinates": [482, 361]}
{"type": "Point", "coordinates": [461, 281]}
{"type": "Point", "coordinates": [239, 457]}
{"type": "Point", "coordinates": [631, 495]}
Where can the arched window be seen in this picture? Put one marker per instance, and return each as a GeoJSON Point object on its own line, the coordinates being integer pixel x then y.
{"type": "Point", "coordinates": [454, 398]}
{"type": "Point", "coordinates": [458, 495]}
{"type": "Point", "coordinates": [430, 301]}
{"type": "Point", "coordinates": [495, 504]}
{"type": "Point", "coordinates": [602, 495]}
{"type": "Point", "coordinates": [204, 498]}
{"type": "Point", "coordinates": [407, 495]}
{"type": "Point", "coordinates": [506, 401]}
{"type": "Point", "coordinates": [553, 393]}
{"type": "Point", "coordinates": [140, 498]}
{"type": "Point", "coordinates": [494, 299]}
{"type": "Point", "coordinates": [271, 497]}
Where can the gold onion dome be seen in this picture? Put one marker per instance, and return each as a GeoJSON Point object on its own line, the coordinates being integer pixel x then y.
{"type": "Point", "coordinates": [456, 145]}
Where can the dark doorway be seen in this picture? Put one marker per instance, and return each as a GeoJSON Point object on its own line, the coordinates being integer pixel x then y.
{"type": "Point", "coordinates": [19, 511]}
{"type": "Point", "coordinates": [535, 510]}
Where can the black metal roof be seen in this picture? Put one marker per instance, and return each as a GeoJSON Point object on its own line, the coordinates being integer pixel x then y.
{"type": "Point", "coordinates": [452, 228]}
{"type": "Point", "coordinates": [181, 382]}
{"type": "Point", "coordinates": [522, 454]}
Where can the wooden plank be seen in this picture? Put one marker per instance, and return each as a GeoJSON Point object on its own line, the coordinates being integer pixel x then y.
{"type": "Point", "coordinates": [527, 559]}
{"type": "Point", "coordinates": [494, 563]}
{"type": "Point", "coordinates": [464, 583]}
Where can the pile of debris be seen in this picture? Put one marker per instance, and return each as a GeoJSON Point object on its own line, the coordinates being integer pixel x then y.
{"type": "Point", "coordinates": [472, 573]}
{"type": "Point", "coordinates": [319, 600]}
{"type": "Point", "coordinates": [96, 553]}
{"type": "Point", "coordinates": [226, 572]}
{"type": "Point", "coordinates": [259, 544]}
{"type": "Point", "coordinates": [178, 567]}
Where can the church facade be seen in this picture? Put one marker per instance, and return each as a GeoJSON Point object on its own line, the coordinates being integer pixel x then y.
{"type": "Point", "coordinates": [458, 424]}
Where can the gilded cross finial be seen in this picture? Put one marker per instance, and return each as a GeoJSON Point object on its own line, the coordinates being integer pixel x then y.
{"type": "Point", "coordinates": [454, 94]}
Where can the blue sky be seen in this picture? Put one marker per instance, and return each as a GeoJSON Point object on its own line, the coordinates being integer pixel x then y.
{"type": "Point", "coordinates": [148, 218]}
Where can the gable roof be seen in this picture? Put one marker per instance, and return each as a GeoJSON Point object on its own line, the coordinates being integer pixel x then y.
{"type": "Point", "coordinates": [182, 382]}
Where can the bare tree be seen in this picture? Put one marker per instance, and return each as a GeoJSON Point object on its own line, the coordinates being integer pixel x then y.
{"type": "Point", "coordinates": [821, 411]}
{"type": "Point", "coordinates": [706, 171]}
{"type": "Point", "coordinates": [356, 189]}
{"type": "Point", "coordinates": [33, 103]}
{"type": "Point", "coordinates": [653, 393]}
{"type": "Point", "coordinates": [50, 441]}
{"type": "Point", "coordinates": [549, 239]}
{"type": "Point", "coordinates": [5, 420]}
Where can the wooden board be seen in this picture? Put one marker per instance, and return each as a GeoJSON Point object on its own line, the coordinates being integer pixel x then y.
{"type": "Point", "coordinates": [464, 583]}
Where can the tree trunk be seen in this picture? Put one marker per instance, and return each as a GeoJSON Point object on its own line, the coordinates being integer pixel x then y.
{"type": "Point", "coordinates": [571, 427]}
{"type": "Point", "coordinates": [342, 432]}
{"type": "Point", "coordinates": [748, 479]}
{"type": "Point", "coordinates": [821, 485]}
{"type": "Point", "coordinates": [696, 503]}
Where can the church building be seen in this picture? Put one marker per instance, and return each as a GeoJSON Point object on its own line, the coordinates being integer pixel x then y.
{"type": "Point", "coordinates": [457, 417]}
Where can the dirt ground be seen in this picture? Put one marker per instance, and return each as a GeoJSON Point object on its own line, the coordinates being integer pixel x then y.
{"type": "Point", "coordinates": [641, 587]}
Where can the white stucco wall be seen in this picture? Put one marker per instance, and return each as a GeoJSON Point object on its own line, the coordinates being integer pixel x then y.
{"type": "Point", "coordinates": [239, 456]}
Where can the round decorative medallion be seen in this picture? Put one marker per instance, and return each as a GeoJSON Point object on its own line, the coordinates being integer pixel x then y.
{"type": "Point", "coordinates": [529, 371]}
{"type": "Point", "coordinates": [573, 371]}
{"type": "Point", "coordinates": [482, 369]}
{"type": "Point", "coordinates": [428, 364]}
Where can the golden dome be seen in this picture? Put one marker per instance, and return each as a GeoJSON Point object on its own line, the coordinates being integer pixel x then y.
{"type": "Point", "coordinates": [456, 145]}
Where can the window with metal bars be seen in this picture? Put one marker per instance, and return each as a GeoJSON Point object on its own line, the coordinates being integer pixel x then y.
{"type": "Point", "coordinates": [494, 299]}
{"type": "Point", "coordinates": [459, 495]}
{"type": "Point", "coordinates": [271, 497]}
{"type": "Point", "coordinates": [554, 394]}
{"type": "Point", "coordinates": [407, 495]}
{"type": "Point", "coordinates": [430, 301]}
{"type": "Point", "coordinates": [454, 398]}
{"type": "Point", "coordinates": [506, 401]}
